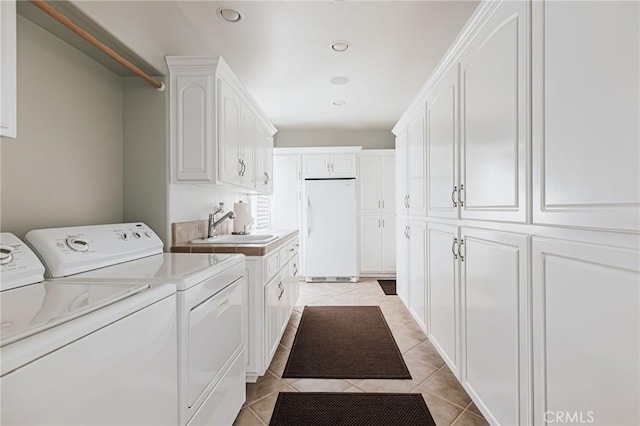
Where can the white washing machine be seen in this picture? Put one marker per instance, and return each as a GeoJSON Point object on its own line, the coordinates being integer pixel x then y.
{"type": "Point", "coordinates": [210, 306]}
{"type": "Point", "coordinates": [78, 354]}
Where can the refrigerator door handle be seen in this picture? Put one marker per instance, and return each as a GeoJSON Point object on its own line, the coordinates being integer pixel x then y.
{"type": "Point", "coordinates": [308, 217]}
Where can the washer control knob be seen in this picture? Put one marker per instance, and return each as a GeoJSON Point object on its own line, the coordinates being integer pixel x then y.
{"type": "Point", "coordinates": [149, 234]}
{"type": "Point", "coordinates": [77, 244]}
{"type": "Point", "coordinates": [6, 255]}
{"type": "Point", "coordinates": [137, 235]}
{"type": "Point", "coordinates": [124, 236]}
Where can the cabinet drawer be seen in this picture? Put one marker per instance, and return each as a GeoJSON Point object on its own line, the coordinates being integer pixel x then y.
{"type": "Point", "coordinates": [271, 265]}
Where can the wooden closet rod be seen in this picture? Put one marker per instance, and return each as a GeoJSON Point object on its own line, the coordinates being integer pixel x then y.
{"type": "Point", "coordinates": [97, 43]}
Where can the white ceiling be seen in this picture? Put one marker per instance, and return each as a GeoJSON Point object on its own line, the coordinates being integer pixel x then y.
{"type": "Point", "coordinates": [281, 52]}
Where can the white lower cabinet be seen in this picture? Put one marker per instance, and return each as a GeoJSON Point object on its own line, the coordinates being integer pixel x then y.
{"type": "Point", "coordinates": [377, 244]}
{"type": "Point", "coordinates": [494, 323]}
{"type": "Point", "coordinates": [417, 230]}
{"type": "Point", "coordinates": [402, 259]}
{"type": "Point", "coordinates": [586, 333]}
{"type": "Point", "coordinates": [272, 294]}
{"type": "Point", "coordinates": [443, 285]}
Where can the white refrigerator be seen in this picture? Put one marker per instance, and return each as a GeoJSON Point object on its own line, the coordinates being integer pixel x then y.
{"type": "Point", "coordinates": [330, 231]}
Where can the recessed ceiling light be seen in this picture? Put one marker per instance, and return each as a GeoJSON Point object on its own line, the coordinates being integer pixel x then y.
{"type": "Point", "coordinates": [339, 103]}
{"type": "Point", "coordinates": [229, 15]}
{"type": "Point", "coordinates": [340, 45]}
{"type": "Point", "coordinates": [340, 80]}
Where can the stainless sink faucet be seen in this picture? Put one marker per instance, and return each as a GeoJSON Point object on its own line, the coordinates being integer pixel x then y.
{"type": "Point", "coordinates": [213, 224]}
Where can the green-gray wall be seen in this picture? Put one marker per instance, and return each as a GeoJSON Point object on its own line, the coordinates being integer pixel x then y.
{"type": "Point", "coordinates": [65, 167]}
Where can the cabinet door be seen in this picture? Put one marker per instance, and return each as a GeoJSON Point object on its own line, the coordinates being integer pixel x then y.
{"type": "Point", "coordinates": [416, 166]}
{"type": "Point", "coordinates": [444, 294]}
{"type": "Point", "coordinates": [248, 148]}
{"type": "Point", "coordinates": [264, 160]}
{"type": "Point", "coordinates": [370, 243]}
{"type": "Point", "coordinates": [387, 183]}
{"type": "Point", "coordinates": [287, 208]}
{"type": "Point", "coordinates": [388, 241]}
{"type": "Point", "coordinates": [442, 147]}
{"type": "Point", "coordinates": [191, 130]}
{"type": "Point", "coordinates": [287, 170]}
{"type": "Point", "coordinates": [8, 64]}
{"type": "Point", "coordinates": [586, 104]}
{"type": "Point", "coordinates": [293, 285]}
{"type": "Point", "coordinates": [272, 292]}
{"type": "Point", "coordinates": [402, 190]}
{"type": "Point", "coordinates": [495, 99]}
{"type": "Point", "coordinates": [586, 332]}
{"type": "Point", "coordinates": [494, 323]}
{"type": "Point", "coordinates": [229, 146]}
{"type": "Point", "coordinates": [370, 180]}
{"type": "Point", "coordinates": [316, 165]}
{"type": "Point", "coordinates": [417, 270]}
{"type": "Point", "coordinates": [402, 260]}
{"type": "Point", "coordinates": [344, 165]}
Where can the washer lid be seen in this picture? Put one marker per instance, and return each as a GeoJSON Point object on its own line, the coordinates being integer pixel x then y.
{"type": "Point", "coordinates": [34, 308]}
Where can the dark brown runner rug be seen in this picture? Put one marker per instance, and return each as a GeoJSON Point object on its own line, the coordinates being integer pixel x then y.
{"type": "Point", "coordinates": [344, 342]}
{"type": "Point", "coordinates": [388, 286]}
{"type": "Point", "coordinates": [350, 409]}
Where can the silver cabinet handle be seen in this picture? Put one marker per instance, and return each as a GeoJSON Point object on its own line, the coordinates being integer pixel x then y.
{"type": "Point", "coordinates": [405, 232]}
{"type": "Point", "coordinates": [460, 199]}
{"type": "Point", "coordinates": [378, 223]}
{"type": "Point", "coordinates": [295, 269]}
{"type": "Point", "coordinates": [240, 164]}
{"type": "Point", "coordinates": [408, 232]}
{"type": "Point", "coordinates": [383, 223]}
{"type": "Point", "coordinates": [266, 178]}
{"type": "Point", "coordinates": [383, 204]}
{"type": "Point", "coordinates": [453, 196]}
{"type": "Point", "coordinates": [408, 201]}
{"type": "Point", "coordinates": [244, 167]}
{"type": "Point", "coordinates": [460, 250]}
{"type": "Point", "coordinates": [453, 248]}
{"type": "Point", "coordinates": [281, 287]}
{"type": "Point", "coordinates": [378, 203]}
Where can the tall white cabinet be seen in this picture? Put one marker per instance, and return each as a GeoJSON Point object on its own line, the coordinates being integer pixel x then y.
{"type": "Point", "coordinates": [377, 212]}
{"type": "Point", "coordinates": [531, 141]}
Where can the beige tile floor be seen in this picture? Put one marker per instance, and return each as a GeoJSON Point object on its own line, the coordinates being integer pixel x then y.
{"type": "Point", "coordinates": [448, 402]}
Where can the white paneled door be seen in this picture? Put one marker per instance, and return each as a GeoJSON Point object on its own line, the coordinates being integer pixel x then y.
{"type": "Point", "coordinates": [586, 329]}
{"type": "Point", "coordinates": [416, 166]}
{"type": "Point", "coordinates": [495, 323]}
{"type": "Point", "coordinates": [417, 230]}
{"type": "Point", "coordinates": [494, 118]}
{"type": "Point", "coordinates": [443, 297]}
{"type": "Point", "coordinates": [402, 265]}
{"type": "Point", "coordinates": [586, 104]}
{"type": "Point", "coordinates": [442, 147]}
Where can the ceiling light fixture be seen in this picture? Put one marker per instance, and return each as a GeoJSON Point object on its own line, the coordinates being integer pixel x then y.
{"type": "Point", "coordinates": [340, 80]}
{"type": "Point", "coordinates": [340, 45]}
{"type": "Point", "coordinates": [339, 103]}
{"type": "Point", "coordinates": [229, 15]}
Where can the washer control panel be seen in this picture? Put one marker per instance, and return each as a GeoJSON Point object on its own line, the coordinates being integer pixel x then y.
{"type": "Point", "coordinates": [68, 251]}
{"type": "Point", "coordinates": [19, 265]}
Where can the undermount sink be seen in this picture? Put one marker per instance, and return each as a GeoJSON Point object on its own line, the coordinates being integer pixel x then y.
{"type": "Point", "coordinates": [237, 239]}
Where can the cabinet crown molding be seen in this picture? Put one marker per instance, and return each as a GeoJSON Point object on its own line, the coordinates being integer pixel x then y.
{"type": "Point", "coordinates": [318, 150]}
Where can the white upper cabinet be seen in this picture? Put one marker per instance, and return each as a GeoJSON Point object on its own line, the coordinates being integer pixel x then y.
{"type": "Point", "coordinates": [494, 118]}
{"type": "Point", "coordinates": [586, 332]}
{"type": "Point", "coordinates": [287, 170]}
{"type": "Point", "coordinates": [230, 127]}
{"type": "Point", "coordinates": [442, 147]}
{"type": "Point", "coordinates": [218, 135]}
{"type": "Point", "coordinates": [416, 165]}
{"type": "Point", "coordinates": [586, 104]}
{"type": "Point", "coordinates": [8, 64]}
{"type": "Point", "coordinates": [402, 191]}
{"type": "Point", "coordinates": [377, 181]}
{"type": "Point", "coordinates": [330, 165]}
